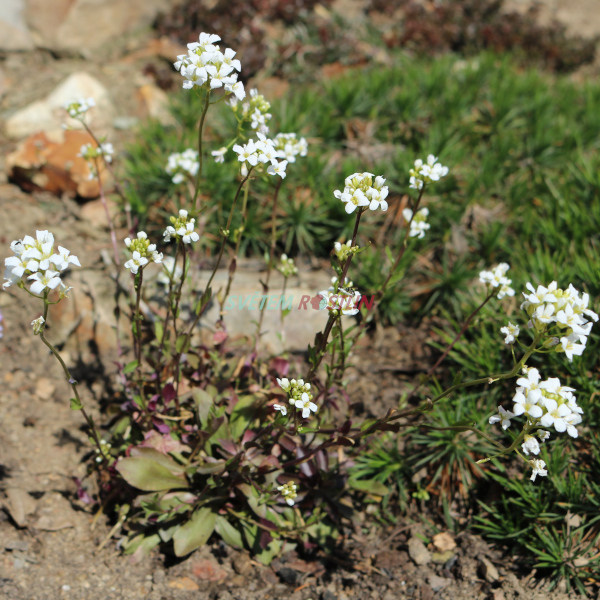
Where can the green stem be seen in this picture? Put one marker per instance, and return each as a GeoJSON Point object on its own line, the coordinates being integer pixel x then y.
{"type": "Point", "coordinates": [69, 378]}
{"type": "Point", "coordinates": [271, 259]}
{"type": "Point", "coordinates": [212, 275]}
{"type": "Point", "coordinates": [332, 317]}
{"type": "Point", "coordinates": [237, 245]}
{"type": "Point", "coordinates": [200, 157]}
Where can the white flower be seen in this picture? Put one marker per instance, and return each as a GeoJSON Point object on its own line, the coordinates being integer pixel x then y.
{"type": "Point", "coordinates": [538, 467]}
{"type": "Point", "coordinates": [38, 325]}
{"type": "Point", "coordinates": [556, 415]}
{"type": "Point", "coordinates": [530, 445]}
{"type": "Point", "coordinates": [62, 260]}
{"type": "Point", "coordinates": [219, 154]}
{"type": "Point", "coordinates": [247, 153]}
{"type": "Point", "coordinates": [503, 416]}
{"type": "Point", "coordinates": [278, 168]}
{"type": "Point", "coordinates": [41, 281]}
{"type": "Point", "coordinates": [306, 405]}
{"type": "Point", "coordinates": [282, 409]}
{"type": "Point", "coordinates": [526, 405]}
{"type": "Point", "coordinates": [135, 262]}
{"type": "Point", "coordinates": [229, 60]}
{"type": "Point", "coordinates": [571, 347]}
{"type": "Point", "coordinates": [511, 332]}
{"type": "Point", "coordinates": [284, 384]}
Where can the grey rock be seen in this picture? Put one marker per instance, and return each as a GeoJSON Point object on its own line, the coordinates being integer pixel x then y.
{"type": "Point", "coordinates": [418, 552]}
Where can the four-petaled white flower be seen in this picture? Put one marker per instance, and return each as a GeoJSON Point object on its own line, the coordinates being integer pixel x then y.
{"type": "Point", "coordinates": [277, 168]}
{"type": "Point", "coordinates": [41, 281]}
{"type": "Point", "coordinates": [503, 416]}
{"type": "Point", "coordinates": [282, 409]}
{"type": "Point", "coordinates": [306, 405]}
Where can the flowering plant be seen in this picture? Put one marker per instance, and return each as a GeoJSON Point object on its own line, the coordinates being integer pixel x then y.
{"type": "Point", "coordinates": [209, 439]}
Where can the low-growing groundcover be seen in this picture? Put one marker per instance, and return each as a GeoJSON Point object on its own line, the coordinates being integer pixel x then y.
{"type": "Point", "coordinates": [523, 189]}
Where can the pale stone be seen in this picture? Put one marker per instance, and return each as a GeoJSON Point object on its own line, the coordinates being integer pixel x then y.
{"type": "Point", "coordinates": [49, 115]}
{"type": "Point", "coordinates": [418, 552]}
{"type": "Point", "coordinates": [14, 33]}
{"type": "Point", "coordinates": [154, 104]}
{"type": "Point", "coordinates": [90, 24]}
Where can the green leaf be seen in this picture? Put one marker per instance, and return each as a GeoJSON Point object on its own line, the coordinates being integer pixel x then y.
{"type": "Point", "coordinates": [241, 416]}
{"type": "Point", "coordinates": [142, 545]}
{"type": "Point", "coordinates": [285, 312]}
{"type": "Point", "coordinates": [369, 486]}
{"type": "Point", "coordinates": [179, 344]}
{"type": "Point", "coordinates": [149, 475]}
{"type": "Point", "coordinates": [76, 404]}
{"type": "Point", "coordinates": [159, 457]}
{"type": "Point", "coordinates": [457, 378]}
{"type": "Point", "coordinates": [204, 403]}
{"type": "Point", "coordinates": [195, 532]}
{"type": "Point", "coordinates": [229, 533]}
{"type": "Point", "coordinates": [130, 367]}
{"type": "Point", "coordinates": [203, 300]}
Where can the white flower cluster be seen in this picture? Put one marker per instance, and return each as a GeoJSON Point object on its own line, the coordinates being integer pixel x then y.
{"type": "Point", "coordinates": [288, 146]}
{"type": "Point", "coordinates": [497, 279]}
{"type": "Point", "coordinates": [344, 249]}
{"type": "Point", "coordinates": [545, 404]}
{"type": "Point", "coordinates": [287, 267]}
{"type": "Point", "coordinates": [182, 227]}
{"type": "Point", "coordinates": [263, 151]}
{"type": "Point", "coordinates": [36, 260]}
{"type": "Point", "coordinates": [289, 492]}
{"type": "Point", "coordinates": [426, 172]}
{"type": "Point", "coordinates": [344, 301]}
{"type": "Point", "coordinates": [142, 252]}
{"type": "Point", "coordinates": [90, 153]}
{"type": "Point", "coordinates": [77, 108]}
{"type": "Point", "coordinates": [419, 224]}
{"type": "Point", "coordinates": [205, 64]}
{"type": "Point", "coordinates": [299, 396]}
{"type": "Point", "coordinates": [566, 309]}
{"type": "Point", "coordinates": [361, 190]}
{"type": "Point", "coordinates": [256, 111]}
{"type": "Point", "coordinates": [179, 164]}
